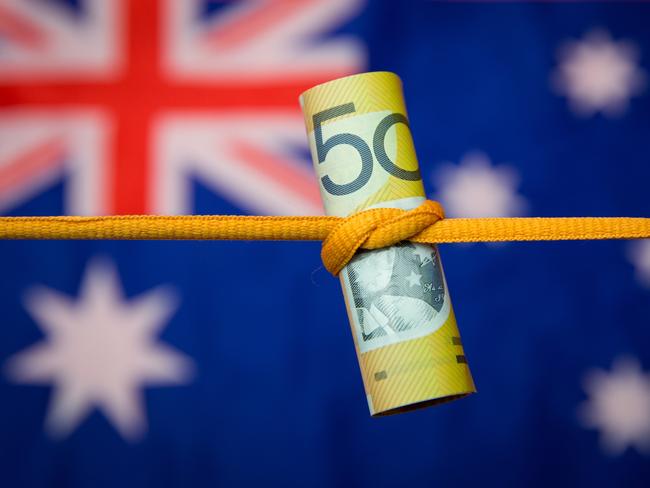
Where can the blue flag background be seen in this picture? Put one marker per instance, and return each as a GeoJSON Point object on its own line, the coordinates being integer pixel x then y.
{"type": "Point", "coordinates": [272, 393]}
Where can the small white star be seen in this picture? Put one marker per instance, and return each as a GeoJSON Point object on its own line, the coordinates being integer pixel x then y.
{"type": "Point", "coordinates": [619, 406]}
{"type": "Point", "coordinates": [414, 279]}
{"type": "Point", "coordinates": [99, 352]}
{"type": "Point", "coordinates": [639, 255]}
{"type": "Point", "coordinates": [598, 74]}
{"type": "Point", "coordinates": [476, 188]}
{"type": "Point", "coordinates": [424, 252]}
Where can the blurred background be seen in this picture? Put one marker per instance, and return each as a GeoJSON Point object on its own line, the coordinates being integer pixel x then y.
{"type": "Point", "coordinates": [232, 364]}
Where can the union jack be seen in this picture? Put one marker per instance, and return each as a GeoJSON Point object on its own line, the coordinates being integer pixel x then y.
{"type": "Point", "coordinates": [126, 99]}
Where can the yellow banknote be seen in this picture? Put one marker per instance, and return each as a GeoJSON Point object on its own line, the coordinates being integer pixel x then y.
{"type": "Point", "coordinates": [404, 329]}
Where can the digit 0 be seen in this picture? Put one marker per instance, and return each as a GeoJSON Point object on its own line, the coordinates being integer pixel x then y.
{"type": "Point", "coordinates": [378, 143]}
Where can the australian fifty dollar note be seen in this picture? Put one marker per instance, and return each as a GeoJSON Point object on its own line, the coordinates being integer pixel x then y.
{"type": "Point", "coordinates": [402, 321]}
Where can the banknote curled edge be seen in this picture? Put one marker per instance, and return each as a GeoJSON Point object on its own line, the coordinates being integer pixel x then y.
{"type": "Point", "coordinates": [402, 321]}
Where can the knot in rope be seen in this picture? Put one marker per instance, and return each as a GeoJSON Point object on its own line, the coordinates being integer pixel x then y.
{"type": "Point", "coordinates": [374, 229]}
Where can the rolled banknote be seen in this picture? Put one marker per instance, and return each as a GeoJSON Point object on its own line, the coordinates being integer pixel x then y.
{"type": "Point", "coordinates": [404, 330]}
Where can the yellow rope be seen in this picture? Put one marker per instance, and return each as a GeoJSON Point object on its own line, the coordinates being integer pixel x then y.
{"type": "Point", "coordinates": [369, 229]}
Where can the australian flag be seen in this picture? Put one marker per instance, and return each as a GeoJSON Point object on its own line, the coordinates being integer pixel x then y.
{"type": "Point", "coordinates": [232, 364]}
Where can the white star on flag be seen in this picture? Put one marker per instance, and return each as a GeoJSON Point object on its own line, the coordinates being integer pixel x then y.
{"type": "Point", "coordinates": [476, 188]}
{"type": "Point", "coordinates": [99, 352]}
{"type": "Point", "coordinates": [598, 74]}
{"type": "Point", "coordinates": [619, 406]}
{"type": "Point", "coordinates": [414, 279]}
{"type": "Point", "coordinates": [639, 255]}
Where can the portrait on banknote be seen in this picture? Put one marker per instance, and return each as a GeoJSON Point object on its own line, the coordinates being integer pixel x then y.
{"type": "Point", "coordinates": [398, 293]}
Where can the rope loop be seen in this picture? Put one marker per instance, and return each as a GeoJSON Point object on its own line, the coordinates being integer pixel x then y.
{"type": "Point", "coordinates": [374, 229]}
